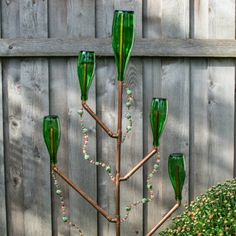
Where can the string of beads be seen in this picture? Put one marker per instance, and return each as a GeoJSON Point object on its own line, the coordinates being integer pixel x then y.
{"type": "Point", "coordinates": [86, 156]}
{"type": "Point", "coordinates": [149, 187]}
{"type": "Point", "coordinates": [129, 103]}
{"type": "Point", "coordinates": [63, 209]}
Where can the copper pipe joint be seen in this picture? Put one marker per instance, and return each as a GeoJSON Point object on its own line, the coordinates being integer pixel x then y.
{"type": "Point", "coordinates": [164, 219]}
{"type": "Point", "coordinates": [98, 120]}
{"type": "Point", "coordinates": [83, 195]}
{"type": "Point", "coordinates": [140, 164]}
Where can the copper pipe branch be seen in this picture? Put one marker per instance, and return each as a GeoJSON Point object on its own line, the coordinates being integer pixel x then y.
{"type": "Point", "coordinates": [98, 120]}
{"type": "Point", "coordinates": [84, 195]}
{"type": "Point", "coordinates": [140, 164]}
{"type": "Point", "coordinates": [165, 218]}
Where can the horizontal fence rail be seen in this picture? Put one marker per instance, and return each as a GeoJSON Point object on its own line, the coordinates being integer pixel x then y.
{"type": "Point", "coordinates": [143, 47]}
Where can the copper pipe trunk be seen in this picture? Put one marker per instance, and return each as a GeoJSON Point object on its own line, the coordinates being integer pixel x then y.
{"type": "Point", "coordinates": [118, 156]}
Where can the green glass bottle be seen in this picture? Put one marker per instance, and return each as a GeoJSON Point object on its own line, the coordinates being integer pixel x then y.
{"type": "Point", "coordinates": [123, 31]}
{"type": "Point", "coordinates": [177, 173]}
{"type": "Point", "coordinates": [52, 135]}
{"type": "Point", "coordinates": [158, 117]}
{"type": "Point", "coordinates": [86, 68]}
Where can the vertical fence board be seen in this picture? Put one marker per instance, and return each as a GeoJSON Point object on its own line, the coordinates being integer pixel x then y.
{"type": "Point", "coordinates": [107, 109]}
{"type": "Point", "coordinates": [59, 105]}
{"type": "Point", "coordinates": [221, 95]}
{"type": "Point", "coordinates": [3, 221]}
{"type": "Point", "coordinates": [212, 96]}
{"type": "Point", "coordinates": [132, 151]}
{"type": "Point", "coordinates": [175, 87]}
{"type": "Point", "coordinates": [151, 88]}
{"type": "Point", "coordinates": [84, 12]}
{"type": "Point", "coordinates": [64, 77]}
{"type": "Point", "coordinates": [34, 105]}
{"type": "Point", "coordinates": [12, 128]}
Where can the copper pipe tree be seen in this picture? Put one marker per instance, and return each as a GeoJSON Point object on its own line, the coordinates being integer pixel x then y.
{"type": "Point", "coordinates": [123, 32]}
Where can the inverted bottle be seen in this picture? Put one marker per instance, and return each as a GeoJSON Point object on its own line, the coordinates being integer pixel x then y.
{"type": "Point", "coordinates": [52, 135]}
{"type": "Point", "coordinates": [123, 31]}
{"type": "Point", "coordinates": [177, 173]}
{"type": "Point", "coordinates": [86, 68]}
{"type": "Point", "coordinates": [158, 118]}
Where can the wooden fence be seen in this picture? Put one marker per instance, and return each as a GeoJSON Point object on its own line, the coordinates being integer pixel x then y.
{"type": "Point", "coordinates": [184, 51]}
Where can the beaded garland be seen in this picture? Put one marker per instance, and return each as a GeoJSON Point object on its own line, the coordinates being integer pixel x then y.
{"type": "Point", "coordinates": [149, 187]}
{"type": "Point", "coordinates": [64, 211]}
{"type": "Point", "coordinates": [107, 167]}
{"type": "Point", "coordinates": [87, 157]}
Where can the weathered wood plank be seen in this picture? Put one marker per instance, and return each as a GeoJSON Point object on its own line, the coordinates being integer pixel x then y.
{"type": "Point", "coordinates": [3, 220]}
{"type": "Point", "coordinates": [212, 95]}
{"type": "Point", "coordinates": [107, 109]}
{"type": "Point", "coordinates": [102, 46]}
{"type": "Point", "coordinates": [174, 87]}
{"type": "Point", "coordinates": [12, 126]}
{"type": "Point", "coordinates": [34, 106]}
{"type": "Point", "coordinates": [83, 12]}
{"type": "Point", "coordinates": [132, 151]}
{"type": "Point", "coordinates": [58, 105]}
{"type": "Point", "coordinates": [151, 88]}
{"type": "Point", "coordinates": [25, 103]}
{"type": "Point", "coordinates": [66, 102]}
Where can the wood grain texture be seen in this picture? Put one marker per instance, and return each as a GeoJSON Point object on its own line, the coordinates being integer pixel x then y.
{"type": "Point", "coordinates": [65, 101]}
{"type": "Point", "coordinates": [26, 90]}
{"type": "Point", "coordinates": [63, 47]}
{"type": "Point", "coordinates": [34, 106]}
{"type": "Point", "coordinates": [132, 151]}
{"type": "Point", "coordinates": [174, 87]}
{"type": "Point", "coordinates": [151, 88]}
{"type": "Point", "coordinates": [80, 170]}
{"type": "Point", "coordinates": [12, 126]}
{"type": "Point", "coordinates": [213, 94]}
{"type": "Point", "coordinates": [3, 216]}
{"type": "Point", "coordinates": [59, 105]}
{"type": "Point", "coordinates": [107, 109]}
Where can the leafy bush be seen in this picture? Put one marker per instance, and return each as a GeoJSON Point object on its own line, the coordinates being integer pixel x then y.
{"type": "Point", "coordinates": [213, 213]}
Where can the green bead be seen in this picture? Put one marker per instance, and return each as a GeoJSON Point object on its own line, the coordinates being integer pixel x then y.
{"type": "Point", "coordinates": [80, 112]}
{"type": "Point", "coordinates": [123, 32]}
{"type": "Point", "coordinates": [108, 169]}
{"type": "Point", "coordinates": [128, 104]}
{"type": "Point", "coordinates": [149, 186]}
{"type": "Point", "coordinates": [65, 218]}
{"type": "Point", "coordinates": [129, 128]}
{"type": "Point", "coordinates": [97, 163]}
{"type": "Point", "coordinates": [128, 208]}
{"type": "Point", "coordinates": [156, 166]}
{"type": "Point", "coordinates": [128, 115]}
{"type": "Point", "coordinates": [158, 118]}
{"type": "Point", "coordinates": [129, 91]}
{"type": "Point", "coordinates": [84, 130]}
{"type": "Point", "coordinates": [145, 200]}
{"type": "Point", "coordinates": [151, 175]}
{"type": "Point", "coordinates": [58, 192]}
{"type": "Point", "coordinates": [86, 156]}
{"type": "Point", "coordinates": [52, 135]}
{"type": "Point", "coordinates": [86, 68]}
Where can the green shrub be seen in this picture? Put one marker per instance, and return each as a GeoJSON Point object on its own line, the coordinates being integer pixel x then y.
{"type": "Point", "coordinates": [213, 213]}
